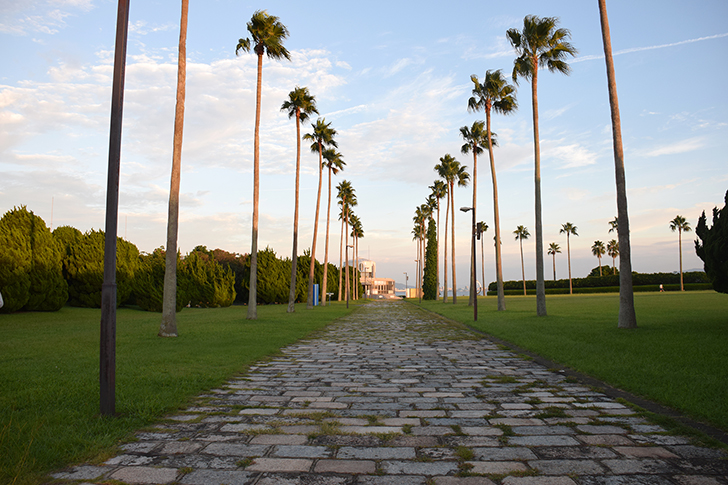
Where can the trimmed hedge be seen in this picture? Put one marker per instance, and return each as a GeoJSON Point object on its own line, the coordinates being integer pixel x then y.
{"type": "Point", "coordinates": [608, 289]}
{"type": "Point", "coordinates": [638, 279]}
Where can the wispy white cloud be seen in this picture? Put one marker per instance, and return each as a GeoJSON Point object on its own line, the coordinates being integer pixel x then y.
{"type": "Point", "coordinates": [683, 146]}
{"type": "Point", "coordinates": [649, 48]}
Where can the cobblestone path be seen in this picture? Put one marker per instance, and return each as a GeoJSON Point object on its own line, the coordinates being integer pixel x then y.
{"type": "Point", "coordinates": [394, 395]}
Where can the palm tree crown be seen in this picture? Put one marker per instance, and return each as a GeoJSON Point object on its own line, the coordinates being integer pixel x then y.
{"type": "Point", "coordinates": [540, 44]}
{"type": "Point", "coordinates": [268, 34]}
{"type": "Point", "coordinates": [300, 104]}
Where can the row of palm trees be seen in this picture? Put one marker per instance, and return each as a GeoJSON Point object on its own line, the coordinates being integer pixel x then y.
{"type": "Point", "coordinates": [268, 34]}
{"type": "Point", "coordinates": [540, 44]}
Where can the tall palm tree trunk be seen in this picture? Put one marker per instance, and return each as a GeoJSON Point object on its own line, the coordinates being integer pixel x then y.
{"type": "Point", "coordinates": [568, 256]}
{"type": "Point", "coordinates": [309, 301]}
{"type": "Point", "coordinates": [346, 252]}
{"type": "Point", "coordinates": [627, 316]}
{"type": "Point", "coordinates": [452, 227]}
{"type": "Point", "coordinates": [437, 252]}
{"type": "Point", "coordinates": [679, 238]}
{"type": "Point", "coordinates": [554, 266]}
{"type": "Point", "coordinates": [326, 246]}
{"type": "Point", "coordinates": [523, 268]}
{"type": "Point", "coordinates": [341, 256]}
{"type": "Point", "coordinates": [168, 327]}
{"type": "Point", "coordinates": [482, 260]}
{"type": "Point", "coordinates": [540, 286]}
{"type": "Point", "coordinates": [444, 257]}
{"type": "Point", "coordinates": [294, 252]}
{"type": "Point", "coordinates": [496, 221]}
{"type": "Point", "coordinates": [473, 294]}
{"type": "Point", "coordinates": [253, 295]}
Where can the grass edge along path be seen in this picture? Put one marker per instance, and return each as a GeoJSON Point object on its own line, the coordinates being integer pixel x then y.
{"type": "Point", "coordinates": [49, 391]}
{"type": "Point", "coordinates": [676, 357]}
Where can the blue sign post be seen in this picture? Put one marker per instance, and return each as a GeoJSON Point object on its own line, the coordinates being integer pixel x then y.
{"type": "Point", "coordinates": [315, 294]}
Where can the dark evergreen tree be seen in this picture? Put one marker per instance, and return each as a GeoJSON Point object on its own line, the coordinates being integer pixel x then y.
{"type": "Point", "coordinates": [46, 288]}
{"type": "Point", "coordinates": [85, 270]}
{"type": "Point", "coordinates": [15, 261]}
{"type": "Point", "coordinates": [205, 282]}
{"type": "Point", "coordinates": [430, 284]}
{"type": "Point", "coordinates": [712, 246]}
{"type": "Point", "coordinates": [149, 282]}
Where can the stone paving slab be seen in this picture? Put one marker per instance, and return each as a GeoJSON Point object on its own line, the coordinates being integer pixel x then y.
{"type": "Point", "coordinates": [393, 395]}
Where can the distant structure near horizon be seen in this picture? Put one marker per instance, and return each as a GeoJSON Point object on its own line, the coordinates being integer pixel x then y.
{"type": "Point", "coordinates": [374, 287]}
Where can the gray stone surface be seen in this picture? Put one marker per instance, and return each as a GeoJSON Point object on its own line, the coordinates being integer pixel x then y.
{"type": "Point", "coordinates": [392, 395]}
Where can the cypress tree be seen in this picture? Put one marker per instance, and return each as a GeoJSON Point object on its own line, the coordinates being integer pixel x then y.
{"type": "Point", "coordinates": [430, 286]}
{"type": "Point", "coordinates": [712, 246]}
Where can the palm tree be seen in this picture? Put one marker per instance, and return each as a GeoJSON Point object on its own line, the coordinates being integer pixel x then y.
{"type": "Point", "coordinates": [627, 317]}
{"type": "Point", "coordinates": [614, 225]}
{"type": "Point", "coordinates": [598, 250]}
{"type": "Point", "coordinates": [168, 327]}
{"type": "Point", "coordinates": [522, 233]}
{"type": "Point", "coordinates": [322, 136]}
{"type": "Point", "coordinates": [347, 199]}
{"type": "Point", "coordinates": [568, 229]}
{"type": "Point", "coordinates": [356, 232]}
{"type": "Point", "coordinates": [540, 44]}
{"type": "Point", "coordinates": [613, 252]}
{"type": "Point", "coordinates": [422, 213]}
{"type": "Point", "coordinates": [335, 163]}
{"type": "Point", "coordinates": [300, 104]}
{"type": "Point", "coordinates": [453, 172]}
{"type": "Point", "coordinates": [681, 225]}
{"type": "Point", "coordinates": [483, 227]}
{"type": "Point", "coordinates": [554, 249]}
{"type": "Point", "coordinates": [439, 190]}
{"type": "Point", "coordinates": [442, 169]}
{"type": "Point", "coordinates": [475, 138]}
{"type": "Point", "coordinates": [267, 36]}
{"type": "Point", "coordinates": [494, 94]}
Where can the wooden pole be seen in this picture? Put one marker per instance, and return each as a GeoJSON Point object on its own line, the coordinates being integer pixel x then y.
{"type": "Point", "coordinates": [107, 361]}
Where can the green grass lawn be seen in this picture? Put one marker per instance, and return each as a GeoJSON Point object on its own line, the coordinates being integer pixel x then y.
{"type": "Point", "coordinates": [678, 355]}
{"type": "Point", "coordinates": [49, 390]}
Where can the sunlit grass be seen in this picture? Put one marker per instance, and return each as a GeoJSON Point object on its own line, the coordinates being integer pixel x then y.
{"type": "Point", "coordinates": [677, 356]}
{"type": "Point", "coordinates": [49, 391]}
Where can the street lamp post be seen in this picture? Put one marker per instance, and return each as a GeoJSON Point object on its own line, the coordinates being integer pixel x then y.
{"type": "Point", "coordinates": [472, 264]}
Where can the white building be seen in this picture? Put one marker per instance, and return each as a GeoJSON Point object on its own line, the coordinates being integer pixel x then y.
{"type": "Point", "coordinates": [374, 287]}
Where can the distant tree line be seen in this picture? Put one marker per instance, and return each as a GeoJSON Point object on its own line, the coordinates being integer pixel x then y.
{"type": "Point", "coordinates": [596, 283]}
{"type": "Point", "coordinates": [42, 270]}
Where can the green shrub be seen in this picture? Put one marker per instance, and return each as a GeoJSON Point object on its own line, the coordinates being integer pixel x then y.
{"type": "Point", "coordinates": [149, 282]}
{"type": "Point", "coordinates": [205, 282]}
{"type": "Point", "coordinates": [29, 247]}
{"type": "Point", "coordinates": [712, 246]}
{"type": "Point", "coordinates": [85, 270]}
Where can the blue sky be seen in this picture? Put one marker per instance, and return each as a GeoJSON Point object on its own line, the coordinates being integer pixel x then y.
{"type": "Point", "coordinates": [394, 81]}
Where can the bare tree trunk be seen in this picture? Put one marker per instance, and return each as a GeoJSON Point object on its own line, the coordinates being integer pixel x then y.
{"type": "Point", "coordinates": [346, 252]}
{"type": "Point", "coordinates": [452, 226]}
{"type": "Point", "coordinates": [540, 285]}
{"type": "Point", "coordinates": [294, 252]}
{"type": "Point", "coordinates": [496, 221]}
{"type": "Point", "coordinates": [168, 327]}
{"type": "Point", "coordinates": [473, 294]}
{"type": "Point", "coordinates": [341, 255]}
{"type": "Point", "coordinates": [437, 266]}
{"type": "Point", "coordinates": [253, 296]}
{"type": "Point", "coordinates": [627, 317]}
{"type": "Point", "coordinates": [679, 238]}
{"type": "Point", "coordinates": [482, 260]}
{"type": "Point", "coordinates": [523, 268]}
{"type": "Point", "coordinates": [444, 257]}
{"type": "Point", "coordinates": [568, 256]}
{"type": "Point", "coordinates": [326, 246]}
{"type": "Point", "coordinates": [309, 301]}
